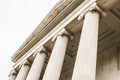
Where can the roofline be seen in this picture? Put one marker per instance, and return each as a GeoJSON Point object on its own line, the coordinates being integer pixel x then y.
{"type": "Point", "coordinates": [29, 39]}
{"type": "Point", "coordinates": [21, 51]}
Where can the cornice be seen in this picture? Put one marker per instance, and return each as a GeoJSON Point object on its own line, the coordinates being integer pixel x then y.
{"type": "Point", "coordinates": [74, 14]}
{"type": "Point", "coordinates": [56, 13]}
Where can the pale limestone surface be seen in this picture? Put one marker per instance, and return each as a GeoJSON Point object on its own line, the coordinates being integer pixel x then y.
{"type": "Point", "coordinates": [55, 63]}
{"type": "Point", "coordinates": [36, 68]}
{"type": "Point", "coordinates": [85, 65]}
{"type": "Point", "coordinates": [22, 74]}
{"type": "Point", "coordinates": [108, 60]}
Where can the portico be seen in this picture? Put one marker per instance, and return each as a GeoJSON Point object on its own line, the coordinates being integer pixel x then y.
{"type": "Point", "coordinates": [70, 50]}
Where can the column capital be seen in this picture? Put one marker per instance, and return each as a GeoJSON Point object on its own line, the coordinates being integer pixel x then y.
{"type": "Point", "coordinates": [26, 62]}
{"type": "Point", "coordinates": [41, 50]}
{"type": "Point", "coordinates": [95, 8]}
{"type": "Point", "coordinates": [63, 32]}
{"type": "Point", "coordinates": [13, 72]}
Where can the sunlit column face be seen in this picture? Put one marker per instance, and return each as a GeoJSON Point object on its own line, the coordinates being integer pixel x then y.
{"type": "Point", "coordinates": [23, 71]}
{"type": "Point", "coordinates": [55, 63]}
{"type": "Point", "coordinates": [37, 66]}
{"type": "Point", "coordinates": [85, 65]}
{"type": "Point", "coordinates": [12, 77]}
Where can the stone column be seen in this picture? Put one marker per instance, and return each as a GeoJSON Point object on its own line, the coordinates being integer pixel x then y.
{"type": "Point", "coordinates": [85, 65]}
{"type": "Point", "coordinates": [37, 65]}
{"type": "Point", "coordinates": [12, 75]}
{"type": "Point", "coordinates": [23, 71]}
{"type": "Point", "coordinates": [55, 63]}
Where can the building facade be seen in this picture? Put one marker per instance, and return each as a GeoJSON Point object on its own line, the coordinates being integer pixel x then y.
{"type": "Point", "coordinates": [77, 40]}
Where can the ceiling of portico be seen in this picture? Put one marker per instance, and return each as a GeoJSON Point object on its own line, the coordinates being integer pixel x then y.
{"type": "Point", "coordinates": [109, 31]}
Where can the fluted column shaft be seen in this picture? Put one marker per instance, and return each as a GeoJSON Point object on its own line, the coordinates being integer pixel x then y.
{"type": "Point", "coordinates": [23, 71]}
{"type": "Point", "coordinates": [85, 65]}
{"type": "Point", "coordinates": [55, 63]}
{"type": "Point", "coordinates": [37, 66]}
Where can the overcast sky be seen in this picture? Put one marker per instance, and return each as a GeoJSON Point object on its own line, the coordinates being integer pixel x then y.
{"type": "Point", "coordinates": [18, 18]}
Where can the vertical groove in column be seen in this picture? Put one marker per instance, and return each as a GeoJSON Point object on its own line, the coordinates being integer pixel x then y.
{"type": "Point", "coordinates": [85, 65]}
